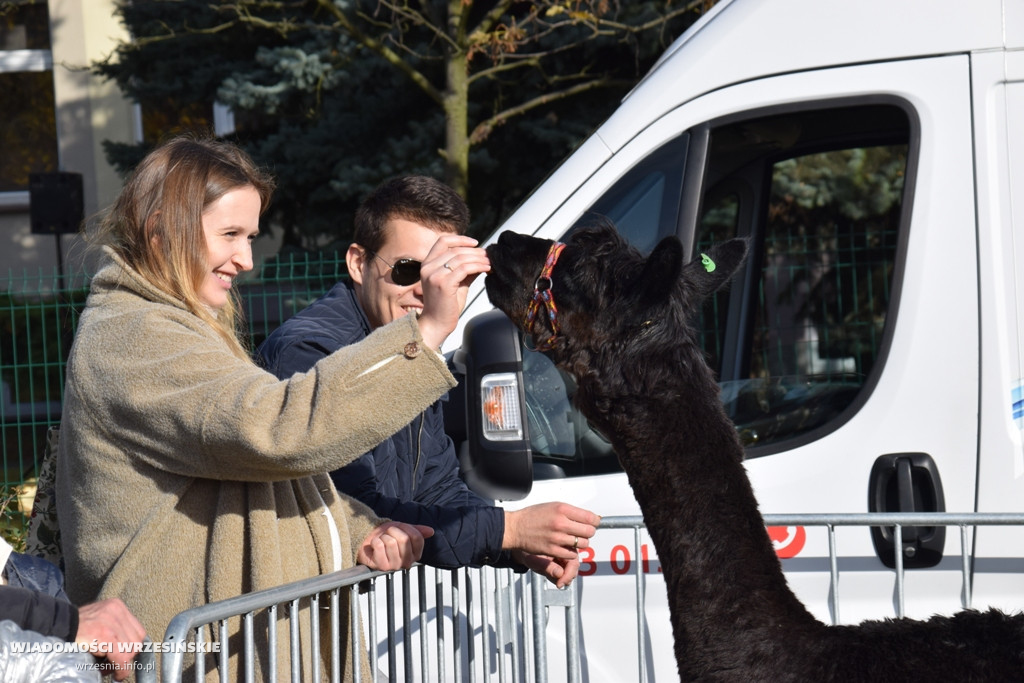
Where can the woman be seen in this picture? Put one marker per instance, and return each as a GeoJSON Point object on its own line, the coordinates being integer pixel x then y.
{"type": "Point", "coordinates": [187, 474]}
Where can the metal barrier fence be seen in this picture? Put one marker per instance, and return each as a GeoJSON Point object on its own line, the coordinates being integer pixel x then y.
{"type": "Point", "coordinates": [469, 625]}
{"type": "Point", "coordinates": [899, 521]}
{"type": "Point", "coordinates": [487, 624]}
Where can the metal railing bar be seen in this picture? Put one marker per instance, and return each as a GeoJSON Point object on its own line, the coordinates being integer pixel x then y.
{"type": "Point", "coordinates": [965, 561]}
{"type": "Point", "coordinates": [407, 625]}
{"type": "Point", "coordinates": [314, 635]}
{"type": "Point", "coordinates": [641, 603]}
{"type": "Point", "coordinates": [146, 671]}
{"type": "Point", "coordinates": [484, 601]}
{"type": "Point", "coordinates": [890, 519]}
{"type": "Point", "coordinates": [353, 633]}
{"type": "Point", "coordinates": [421, 585]}
{"type": "Point", "coordinates": [249, 647]}
{"type": "Point", "coordinates": [389, 587]}
{"type": "Point", "coordinates": [500, 619]}
{"type": "Point", "coordinates": [336, 635]}
{"type": "Point", "coordinates": [833, 560]}
{"type": "Point", "coordinates": [421, 590]}
{"type": "Point", "coordinates": [529, 638]}
{"type": "Point", "coordinates": [200, 661]}
{"type": "Point", "coordinates": [457, 625]}
{"type": "Point", "coordinates": [225, 655]}
{"type": "Point", "coordinates": [439, 601]}
{"type": "Point", "coordinates": [572, 636]}
{"type": "Point", "coordinates": [294, 643]}
{"type": "Point", "coordinates": [512, 584]}
{"type": "Point", "coordinates": [272, 641]}
{"type": "Point", "coordinates": [472, 598]}
{"type": "Point", "coordinates": [540, 646]}
{"type": "Point", "coordinates": [898, 553]}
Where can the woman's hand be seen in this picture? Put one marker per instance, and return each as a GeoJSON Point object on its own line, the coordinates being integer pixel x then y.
{"type": "Point", "coordinates": [109, 623]}
{"type": "Point", "coordinates": [393, 545]}
{"type": "Point", "coordinates": [446, 274]}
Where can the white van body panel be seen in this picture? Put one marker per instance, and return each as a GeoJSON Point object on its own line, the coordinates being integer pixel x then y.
{"type": "Point", "coordinates": [1000, 169]}
{"type": "Point", "coordinates": [751, 39]}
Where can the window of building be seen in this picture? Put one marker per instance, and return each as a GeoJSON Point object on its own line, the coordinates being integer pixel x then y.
{"type": "Point", "coordinates": [159, 120]}
{"type": "Point", "coordinates": [28, 129]}
{"type": "Point", "coordinates": [24, 25]}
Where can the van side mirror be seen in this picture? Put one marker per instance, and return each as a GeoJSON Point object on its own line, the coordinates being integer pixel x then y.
{"type": "Point", "coordinates": [495, 459]}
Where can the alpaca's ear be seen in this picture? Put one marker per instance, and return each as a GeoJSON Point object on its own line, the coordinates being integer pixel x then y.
{"type": "Point", "coordinates": [709, 271]}
{"type": "Point", "coordinates": [661, 271]}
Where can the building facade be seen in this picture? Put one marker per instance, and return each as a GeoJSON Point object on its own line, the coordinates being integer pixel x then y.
{"type": "Point", "coordinates": [56, 114]}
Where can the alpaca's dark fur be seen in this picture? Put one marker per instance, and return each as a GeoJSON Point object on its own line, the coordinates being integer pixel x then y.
{"type": "Point", "coordinates": [626, 337]}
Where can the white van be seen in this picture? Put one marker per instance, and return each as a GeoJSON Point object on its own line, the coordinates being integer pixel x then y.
{"type": "Point", "coordinates": [870, 350]}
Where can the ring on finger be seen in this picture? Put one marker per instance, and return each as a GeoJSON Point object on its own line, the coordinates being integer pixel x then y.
{"type": "Point", "coordinates": [575, 542]}
{"type": "Point", "coordinates": [446, 266]}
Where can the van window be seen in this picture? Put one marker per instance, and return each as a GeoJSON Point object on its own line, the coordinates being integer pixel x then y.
{"type": "Point", "coordinates": [819, 194]}
{"type": "Point", "coordinates": [644, 204]}
{"type": "Point", "coordinates": [798, 336]}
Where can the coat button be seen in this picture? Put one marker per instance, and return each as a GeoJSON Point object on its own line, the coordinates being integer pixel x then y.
{"type": "Point", "coordinates": [412, 349]}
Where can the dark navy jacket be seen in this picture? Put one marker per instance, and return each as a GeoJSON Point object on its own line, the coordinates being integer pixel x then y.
{"type": "Point", "coordinates": [413, 476]}
{"type": "Point", "coordinates": [34, 598]}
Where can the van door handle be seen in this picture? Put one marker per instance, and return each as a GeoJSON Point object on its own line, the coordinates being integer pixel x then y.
{"type": "Point", "coordinates": [905, 490]}
{"type": "Point", "coordinates": [907, 482]}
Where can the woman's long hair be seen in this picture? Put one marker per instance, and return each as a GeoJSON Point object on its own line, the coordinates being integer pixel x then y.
{"type": "Point", "coordinates": [156, 223]}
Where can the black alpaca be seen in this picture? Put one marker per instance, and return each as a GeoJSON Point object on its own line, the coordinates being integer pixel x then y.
{"type": "Point", "coordinates": [620, 325]}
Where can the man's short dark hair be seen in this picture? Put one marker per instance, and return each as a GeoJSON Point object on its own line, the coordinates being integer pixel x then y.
{"type": "Point", "coordinates": [417, 198]}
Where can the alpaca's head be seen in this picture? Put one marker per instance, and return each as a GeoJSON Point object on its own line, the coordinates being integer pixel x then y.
{"type": "Point", "coordinates": [609, 301]}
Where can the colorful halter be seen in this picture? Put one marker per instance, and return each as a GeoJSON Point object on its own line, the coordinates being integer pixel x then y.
{"type": "Point", "coordinates": [542, 296]}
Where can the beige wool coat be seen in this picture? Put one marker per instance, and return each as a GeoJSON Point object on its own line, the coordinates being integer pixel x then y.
{"type": "Point", "coordinates": [186, 474]}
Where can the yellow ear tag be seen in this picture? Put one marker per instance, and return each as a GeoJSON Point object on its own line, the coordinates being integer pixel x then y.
{"type": "Point", "coordinates": [709, 265]}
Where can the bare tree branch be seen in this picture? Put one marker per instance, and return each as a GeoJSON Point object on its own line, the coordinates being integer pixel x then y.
{"type": "Point", "coordinates": [484, 128]}
{"type": "Point", "coordinates": [489, 20]}
{"type": "Point", "coordinates": [383, 51]}
{"type": "Point", "coordinates": [452, 51]}
{"type": "Point", "coordinates": [419, 19]}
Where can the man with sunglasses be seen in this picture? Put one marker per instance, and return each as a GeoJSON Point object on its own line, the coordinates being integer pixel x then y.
{"type": "Point", "coordinates": [413, 475]}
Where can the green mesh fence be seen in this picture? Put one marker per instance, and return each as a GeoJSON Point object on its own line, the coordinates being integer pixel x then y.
{"type": "Point", "coordinates": [286, 285]}
{"type": "Point", "coordinates": [38, 316]}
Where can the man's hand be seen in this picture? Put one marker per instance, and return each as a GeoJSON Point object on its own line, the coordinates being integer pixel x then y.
{"type": "Point", "coordinates": [110, 622]}
{"type": "Point", "coordinates": [450, 267]}
{"type": "Point", "coordinates": [552, 530]}
{"type": "Point", "coordinates": [393, 545]}
{"type": "Point", "coordinates": [559, 572]}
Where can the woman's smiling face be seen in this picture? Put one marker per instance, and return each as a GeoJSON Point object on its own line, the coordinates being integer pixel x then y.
{"type": "Point", "coordinates": [230, 224]}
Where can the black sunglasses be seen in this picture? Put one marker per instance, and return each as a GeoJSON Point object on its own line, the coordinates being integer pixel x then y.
{"type": "Point", "coordinates": [404, 272]}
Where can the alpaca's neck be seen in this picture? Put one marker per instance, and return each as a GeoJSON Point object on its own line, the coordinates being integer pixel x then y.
{"type": "Point", "coordinates": [684, 463]}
